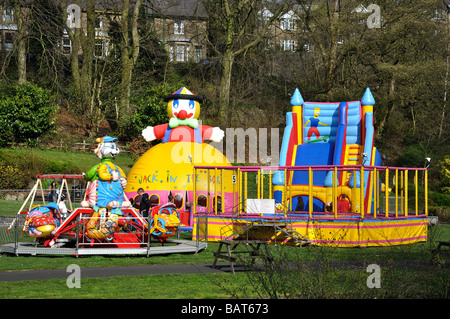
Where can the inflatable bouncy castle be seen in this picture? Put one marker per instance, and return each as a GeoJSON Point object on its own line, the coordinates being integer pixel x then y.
{"type": "Point", "coordinates": [322, 134]}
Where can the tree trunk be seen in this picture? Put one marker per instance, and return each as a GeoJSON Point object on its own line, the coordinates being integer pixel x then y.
{"type": "Point", "coordinates": [83, 41]}
{"type": "Point", "coordinates": [21, 49]}
{"type": "Point", "coordinates": [129, 52]}
{"type": "Point", "coordinates": [390, 108]}
{"type": "Point", "coordinates": [225, 109]}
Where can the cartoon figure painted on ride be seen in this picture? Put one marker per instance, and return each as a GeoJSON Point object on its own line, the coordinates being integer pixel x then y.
{"type": "Point", "coordinates": [105, 193]}
{"type": "Point", "coordinates": [42, 221]}
{"type": "Point", "coordinates": [165, 221]}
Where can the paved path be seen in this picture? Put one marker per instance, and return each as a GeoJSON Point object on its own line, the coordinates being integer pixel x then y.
{"type": "Point", "coordinates": [205, 268]}
{"type": "Point", "coordinates": [90, 272]}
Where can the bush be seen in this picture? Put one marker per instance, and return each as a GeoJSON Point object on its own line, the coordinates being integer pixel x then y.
{"type": "Point", "coordinates": [137, 147]}
{"type": "Point", "coordinates": [11, 178]}
{"type": "Point", "coordinates": [25, 113]}
{"type": "Point", "coordinates": [445, 174]}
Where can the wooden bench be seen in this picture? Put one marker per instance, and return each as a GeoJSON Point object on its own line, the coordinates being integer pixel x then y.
{"type": "Point", "coordinates": [252, 250]}
{"type": "Point", "coordinates": [436, 252]}
{"type": "Point", "coordinates": [443, 243]}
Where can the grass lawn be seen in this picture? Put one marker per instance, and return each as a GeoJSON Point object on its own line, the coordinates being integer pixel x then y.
{"type": "Point", "coordinates": [168, 286]}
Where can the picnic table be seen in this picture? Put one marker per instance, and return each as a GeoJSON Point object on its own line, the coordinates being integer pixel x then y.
{"type": "Point", "coordinates": [235, 250]}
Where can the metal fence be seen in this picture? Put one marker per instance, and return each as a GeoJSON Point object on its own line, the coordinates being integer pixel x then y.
{"type": "Point", "coordinates": [19, 195]}
{"type": "Point", "coordinates": [86, 237]}
{"type": "Point", "coordinates": [11, 229]}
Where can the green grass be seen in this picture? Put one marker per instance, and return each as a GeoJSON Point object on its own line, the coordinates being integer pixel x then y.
{"type": "Point", "coordinates": [169, 286]}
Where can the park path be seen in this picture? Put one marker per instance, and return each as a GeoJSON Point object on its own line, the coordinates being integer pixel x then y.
{"type": "Point", "coordinates": [92, 272]}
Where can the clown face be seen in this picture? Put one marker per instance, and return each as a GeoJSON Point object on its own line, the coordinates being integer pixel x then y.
{"type": "Point", "coordinates": [183, 109]}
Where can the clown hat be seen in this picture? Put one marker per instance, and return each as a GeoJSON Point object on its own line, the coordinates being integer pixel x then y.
{"type": "Point", "coordinates": [183, 94]}
{"type": "Point", "coordinates": [106, 139]}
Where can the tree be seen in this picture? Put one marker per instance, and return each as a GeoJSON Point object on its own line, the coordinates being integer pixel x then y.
{"type": "Point", "coordinates": [87, 72]}
{"type": "Point", "coordinates": [407, 54]}
{"type": "Point", "coordinates": [129, 50]}
{"type": "Point", "coordinates": [447, 69]}
{"type": "Point", "coordinates": [38, 32]}
{"type": "Point", "coordinates": [233, 31]}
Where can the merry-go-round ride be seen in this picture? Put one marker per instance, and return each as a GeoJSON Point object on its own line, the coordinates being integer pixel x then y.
{"type": "Point", "coordinates": [105, 224]}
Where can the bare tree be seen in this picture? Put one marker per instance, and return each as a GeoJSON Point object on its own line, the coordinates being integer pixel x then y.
{"type": "Point", "coordinates": [447, 4]}
{"type": "Point", "coordinates": [86, 69]}
{"type": "Point", "coordinates": [129, 50]}
{"type": "Point", "coordinates": [234, 20]}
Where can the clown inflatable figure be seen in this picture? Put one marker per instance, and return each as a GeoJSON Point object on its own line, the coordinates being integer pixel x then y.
{"type": "Point", "coordinates": [183, 108]}
{"type": "Point", "coordinates": [107, 180]}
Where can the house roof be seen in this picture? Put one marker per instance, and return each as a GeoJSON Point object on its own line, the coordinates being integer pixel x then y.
{"type": "Point", "coordinates": [177, 8]}
{"type": "Point", "coordinates": [172, 8]}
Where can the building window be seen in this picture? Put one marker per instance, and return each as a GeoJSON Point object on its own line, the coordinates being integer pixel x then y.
{"type": "Point", "coordinates": [264, 16]}
{"type": "Point", "coordinates": [171, 53]}
{"type": "Point", "coordinates": [8, 15]}
{"type": "Point", "coordinates": [288, 21]}
{"type": "Point", "coordinates": [9, 41]}
{"type": "Point", "coordinates": [99, 22]}
{"type": "Point", "coordinates": [198, 53]}
{"type": "Point", "coordinates": [288, 45]}
{"type": "Point", "coordinates": [288, 24]}
{"type": "Point", "coordinates": [307, 47]}
{"type": "Point", "coordinates": [178, 27]}
{"type": "Point", "coordinates": [101, 48]}
{"type": "Point", "coordinates": [66, 46]}
{"type": "Point", "coordinates": [180, 53]}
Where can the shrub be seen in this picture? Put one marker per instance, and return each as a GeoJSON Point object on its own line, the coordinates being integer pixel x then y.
{"type": "Point", "coordinates": [26, 113]}
{"type": "Point", "coordinates": [11, 178]}
{"type": "Point", "coordinates": [445, 174]}
{"type": "Point", "coordinates": [137, 147]}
